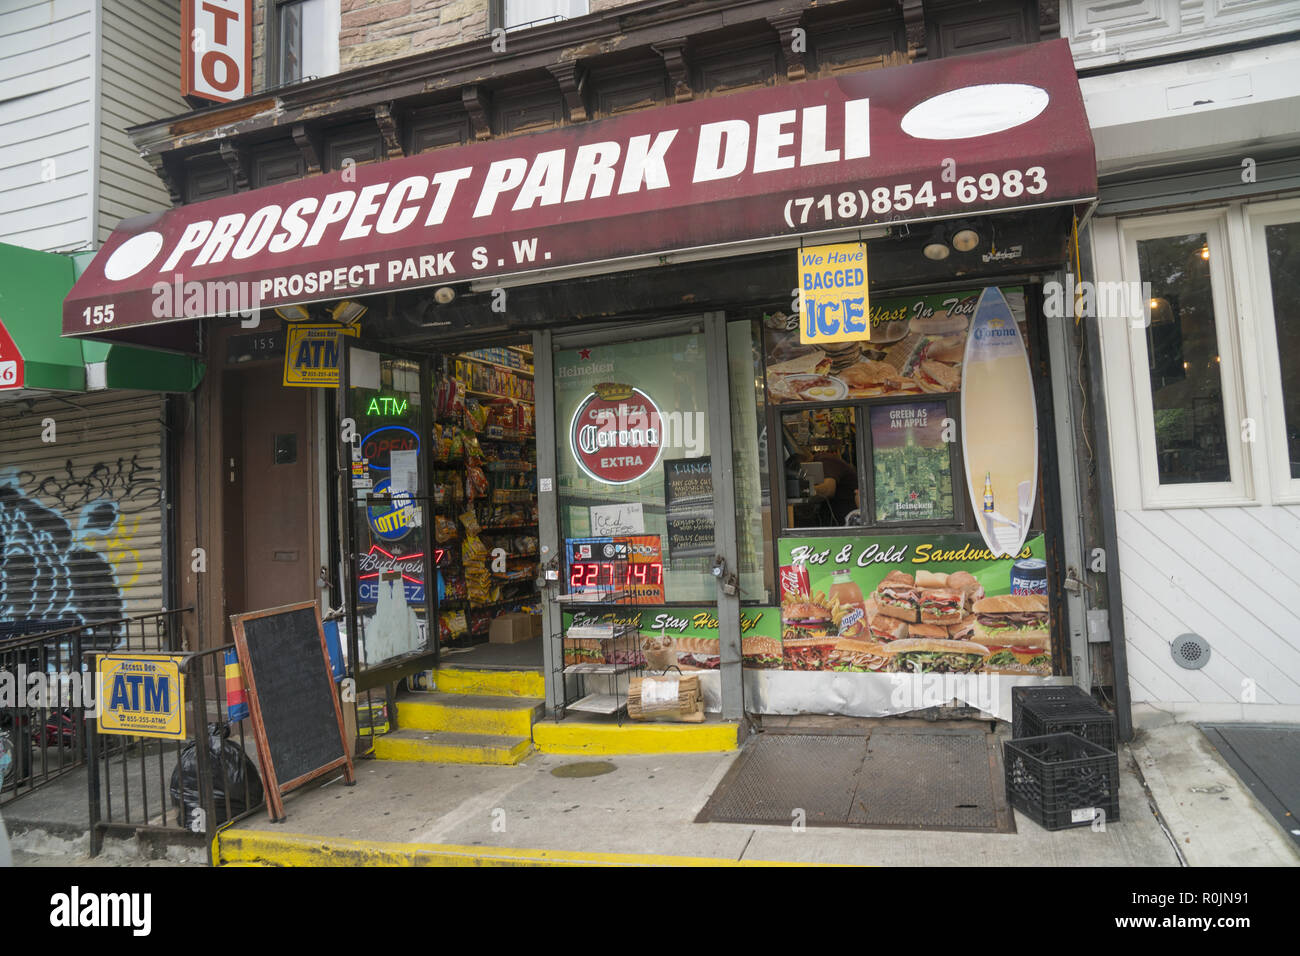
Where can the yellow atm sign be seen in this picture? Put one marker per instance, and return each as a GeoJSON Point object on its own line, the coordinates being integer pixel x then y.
{"type": "Point", "coordinates": [142, 695]}
{"type": "Point", "coordinates": [311, 354]}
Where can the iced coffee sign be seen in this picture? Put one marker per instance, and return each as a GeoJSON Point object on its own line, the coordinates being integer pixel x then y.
{"type": "Point", "coordinates": [617, 434]}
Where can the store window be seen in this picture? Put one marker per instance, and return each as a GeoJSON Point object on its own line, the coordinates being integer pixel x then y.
{"type": "Point", "coordinates": [821, 467]}
{"type": "Point", "coordinates": [635, 475]}
{"type": "Point", "coordinates": [511, 14]}
{"type": "Point", "coordinates": [871, 430]}
{"type": "Point", "coordinates": [748, 460]}
{"type": "Point", "coordinates": [1282, 251]}
{"type": "Point", "coordinates": [1185, 361]}
{"type": "Point", "coordinates": [390, 509]}
{"type": "Point", "coordinates": [1274, 229]}
{"type": "Point", "coordinates": [304, 40]}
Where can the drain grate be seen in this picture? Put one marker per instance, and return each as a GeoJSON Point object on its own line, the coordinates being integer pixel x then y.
{"type": "Point", "coordinates": [890, 778]}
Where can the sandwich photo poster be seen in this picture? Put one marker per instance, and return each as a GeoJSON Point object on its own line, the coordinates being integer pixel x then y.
{"type": "Point", "coordinates": [917, 604]}
{"type": "Point", "coordinates": [917, 347]}
{"type": "Point", "coordinates": [662, 637]}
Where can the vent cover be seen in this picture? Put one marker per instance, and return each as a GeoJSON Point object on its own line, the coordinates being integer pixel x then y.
{"type": "Point", "coordinates": [1190, 651]}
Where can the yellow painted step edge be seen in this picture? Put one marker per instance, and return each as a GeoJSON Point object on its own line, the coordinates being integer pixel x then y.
{"type": "Point", "coordinates": [411, 750]}
{"type": "Point", "coordinates": [572, 737]}
{"type": "Point", "coordinates": [458, 680]}
{"type": "Point", "coordinates": [245, 847]}
{"type": "Point", "coordinates": [413, 714]}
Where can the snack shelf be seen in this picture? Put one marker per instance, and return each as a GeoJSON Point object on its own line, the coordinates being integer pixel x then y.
{"type": "Point", "coordinates": [492, 396]}
{"type": "Point", "coordinates": [599, 704]}
{"type": "Point", "coordinates": [599, 668]}
{"type": "Point", "coordinates": [591, 597]}
{"type": "Point", "coordinates": [523, 372]}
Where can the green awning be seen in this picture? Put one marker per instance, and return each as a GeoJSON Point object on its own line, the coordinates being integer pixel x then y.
{"type": "Point", "coordinates": [127, 366]}
{"type": "Point", "coordinates": [33, 355]}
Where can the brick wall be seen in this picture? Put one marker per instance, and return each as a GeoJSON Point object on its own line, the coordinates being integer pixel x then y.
{"type": "Point", "coordinates": [377, 30]}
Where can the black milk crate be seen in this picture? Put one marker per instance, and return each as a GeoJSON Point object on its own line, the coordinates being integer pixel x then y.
{"type": "Point", "coordinates": [1022, 695]}
{"type": "Point", "coordinates": [1061, 780]}
{"type": "Point", "coordinates": [1039, 715]}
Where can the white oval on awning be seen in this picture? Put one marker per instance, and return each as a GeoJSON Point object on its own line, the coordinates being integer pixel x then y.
{"type": "Point", "coordinates": [975, 111]}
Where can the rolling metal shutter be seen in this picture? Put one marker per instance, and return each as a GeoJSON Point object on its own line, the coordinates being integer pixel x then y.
{"type": "Point", "coordinates": [81, 517]}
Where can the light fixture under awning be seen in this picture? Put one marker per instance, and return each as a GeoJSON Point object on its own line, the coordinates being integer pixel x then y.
{"type": "Point", "coordinates": [794, 161]}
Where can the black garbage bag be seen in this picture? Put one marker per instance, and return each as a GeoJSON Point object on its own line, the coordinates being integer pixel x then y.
{"type": "Point", "coordinates": [230, 768]}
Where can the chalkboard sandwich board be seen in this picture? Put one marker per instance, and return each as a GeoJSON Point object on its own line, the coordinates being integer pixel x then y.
{"type": "Point", "coordinates": [297, 721]}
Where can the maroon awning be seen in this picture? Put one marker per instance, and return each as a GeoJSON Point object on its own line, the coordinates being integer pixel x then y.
{"type": "Point", "coordinates": [968, 135]}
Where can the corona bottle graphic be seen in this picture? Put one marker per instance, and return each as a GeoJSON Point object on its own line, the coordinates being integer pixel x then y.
{"type": "Point", "coordinates": [988, 493]}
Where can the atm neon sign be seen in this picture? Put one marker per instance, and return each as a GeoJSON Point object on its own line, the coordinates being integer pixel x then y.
{"type": "Point", "coordinates": [386, 405]}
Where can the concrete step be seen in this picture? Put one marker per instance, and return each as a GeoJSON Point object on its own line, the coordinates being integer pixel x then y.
{"type": "Point", "coordinates": [468, 680]}
{"type": "Point", "coordinates": [468, 713]}
{"type": "Point", "coordinates": [424, 747]}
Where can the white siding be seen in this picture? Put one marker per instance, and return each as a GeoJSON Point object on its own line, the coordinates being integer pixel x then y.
{"type": "Point", "coordinates": [1230, 574]}
{"type": "Point", "coordinates": [139, 83]}
{"type": "Point", "coordinates": [1102, 32]}
{"type": "Point", "coordinates": [46, 57]}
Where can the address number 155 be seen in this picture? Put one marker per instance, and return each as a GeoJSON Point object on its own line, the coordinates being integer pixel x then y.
{"type": "Point", "coordinates": [99, 314]}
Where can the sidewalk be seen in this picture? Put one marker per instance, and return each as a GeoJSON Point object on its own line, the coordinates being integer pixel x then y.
{"type": "Point", "coordinates": [643, 811]}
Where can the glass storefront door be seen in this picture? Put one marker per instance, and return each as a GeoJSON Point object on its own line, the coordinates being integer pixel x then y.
{"type": "Point", "coordinates": [384, 418]}
{"type": "Point", "coordinates": [645, 563]}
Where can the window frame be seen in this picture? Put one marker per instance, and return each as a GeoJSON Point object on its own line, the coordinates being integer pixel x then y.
{"type": "Point", "coordinates": [497, 16]}
{"type": "Point", "coordinates": [272, 58]}
{"type": "Point", "coordinates": [1240, 488]}
{"type": "Point", "coordinates": [1256, 218]}
{"type": "Point", "coordinates": [866, 468]}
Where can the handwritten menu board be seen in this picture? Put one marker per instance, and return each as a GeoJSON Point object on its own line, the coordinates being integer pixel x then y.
{"type": "Point", "coordinates": [688, 503]}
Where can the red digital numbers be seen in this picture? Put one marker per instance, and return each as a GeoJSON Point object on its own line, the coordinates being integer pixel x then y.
{"type": "Point", "coordinates": [587, 575]}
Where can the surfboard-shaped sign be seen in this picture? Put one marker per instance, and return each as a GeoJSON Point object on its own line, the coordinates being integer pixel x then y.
{"type": "Point", "coordinates": [999, 433]}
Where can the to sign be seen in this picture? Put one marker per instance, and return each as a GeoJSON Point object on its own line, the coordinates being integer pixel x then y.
{"type": "Point", "coordinates": [142, 695]}
{"type": "Point", "coordinates": [617, 434]}
{"type": "Point", "coordinates": [217, 49]}
{"type": "Point", "coordinates": [833, 305]}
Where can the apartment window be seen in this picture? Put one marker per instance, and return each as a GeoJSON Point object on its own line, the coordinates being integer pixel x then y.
{"type": "Point", "coordinates": [1274, 237]}
{"type": "Point", "coordinates": [303, 38]}
{"type": "Point", "coordinates": [1187, 377]}
{"type": "Point", "coordinates": [512, 14]}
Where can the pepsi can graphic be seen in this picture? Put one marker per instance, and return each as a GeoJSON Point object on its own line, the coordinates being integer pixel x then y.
{"type": "Point", "coordinates": [1029, 576]}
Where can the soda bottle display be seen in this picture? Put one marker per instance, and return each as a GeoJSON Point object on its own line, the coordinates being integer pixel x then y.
{"type": "Point", "coordinates": [988, 493]}
{"type": "Point", "coordinates": [845, 591]}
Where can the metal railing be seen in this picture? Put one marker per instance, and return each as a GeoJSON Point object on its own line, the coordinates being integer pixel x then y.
{"type": "Point", "coordinates": [47, 688]}
{"type": "Point", "coordinates": [176, 791]}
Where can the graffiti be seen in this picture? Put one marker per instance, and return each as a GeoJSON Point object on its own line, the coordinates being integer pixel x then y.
{"type": "Point", "coordinates": [56, 572]}
{"type": "Point", "coordinates": [133, 485]}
